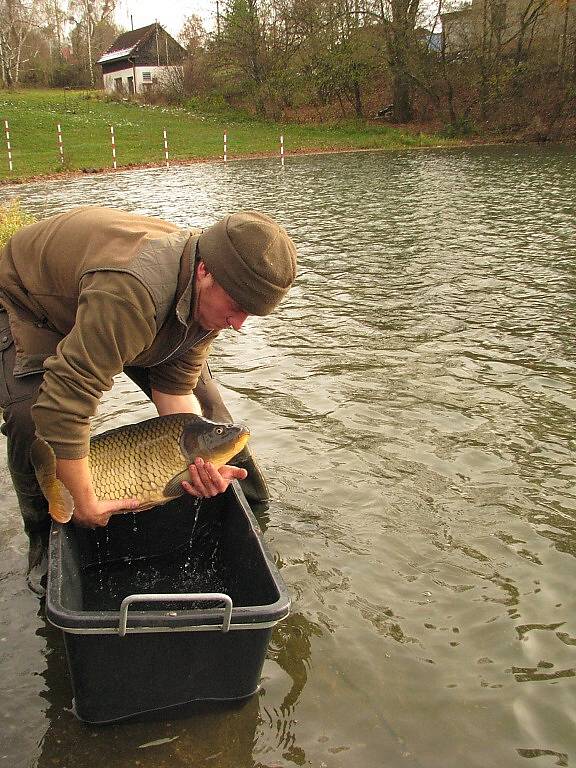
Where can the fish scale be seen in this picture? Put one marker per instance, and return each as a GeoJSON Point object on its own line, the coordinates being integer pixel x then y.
{"type": "Point", "coordinates": [148, 449]}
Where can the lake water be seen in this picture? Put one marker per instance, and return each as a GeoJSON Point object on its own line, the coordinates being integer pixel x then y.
{"type": "Point", "coordinates": [413, 404]}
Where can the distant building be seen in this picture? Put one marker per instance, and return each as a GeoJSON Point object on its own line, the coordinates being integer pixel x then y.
{"type": "Point", "coordinates": [139, 59]}
{"type": "Point", "coordinates": [427, 37]}
{"type": "Point", "coordinates": [435, 41]}
{"type": "Point", "coordinates": [514, 26]}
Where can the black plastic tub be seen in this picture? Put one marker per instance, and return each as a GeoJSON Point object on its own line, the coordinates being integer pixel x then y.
{"type": "Point", "coordinates": [164, 607]}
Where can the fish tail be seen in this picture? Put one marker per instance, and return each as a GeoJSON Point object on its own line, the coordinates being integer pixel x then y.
{"type": "Point", "coordinates": [60, 504]}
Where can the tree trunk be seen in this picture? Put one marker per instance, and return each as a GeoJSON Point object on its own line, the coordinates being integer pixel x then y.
{"type": "Point", "coordinates": [18, 57]}
{"type": "Point", "coordinates": [400, 46]}
{"type": "Point", "coordinates": [358, 100]}
{"type": "Point", "coordinates": [564, 41]}
{"type": "Point", "coordinates": [484, 67]}
{"type": "Point", "coordinates": [4, 73]}
{"type": "Point", "coordinates": [449, 86]}
{"type": "Point", "coordinates": [401, 96]}
{"type": "Point", "coordinates": [58, 23]}
{"type": "Point", "coordinates": [90, 67]}
{"type": "Point", "coordinates": [88, 12]}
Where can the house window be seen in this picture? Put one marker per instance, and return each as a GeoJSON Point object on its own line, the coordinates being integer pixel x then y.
{"type": "Point", "coordinates": [117, 83]}
{"type": "Point", "coordinates": [146, 77]}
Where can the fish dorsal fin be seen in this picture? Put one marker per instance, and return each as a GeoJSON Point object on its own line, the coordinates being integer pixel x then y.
{"type": "Point", "coordinates": [174, 486]}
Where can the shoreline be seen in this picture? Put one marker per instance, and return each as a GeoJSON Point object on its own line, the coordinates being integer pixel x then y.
{"type": "Point", "coordinates": [77, 173]}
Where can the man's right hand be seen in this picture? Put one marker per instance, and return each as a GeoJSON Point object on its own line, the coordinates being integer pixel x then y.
{"type": "Point", "coordinates": [98, 513]}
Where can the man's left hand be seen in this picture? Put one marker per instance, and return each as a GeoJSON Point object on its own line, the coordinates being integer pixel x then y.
{"type": "Point", "coordinates": [206, 480]}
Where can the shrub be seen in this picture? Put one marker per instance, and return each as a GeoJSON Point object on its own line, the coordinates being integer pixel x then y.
{"type": "Point", "coordinates": [461, 127]}
{"type": "Point", "coordinates": [12, 217]}
{"type": "Point", "coordinates": [66, 75]}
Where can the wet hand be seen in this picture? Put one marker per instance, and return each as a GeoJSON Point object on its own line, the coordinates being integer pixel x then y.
{"type": "Point", "coordinates": [206, 480]}
{"type": "Point", "coordinates": [98, 513]}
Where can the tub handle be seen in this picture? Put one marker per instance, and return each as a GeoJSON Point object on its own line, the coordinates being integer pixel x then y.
{"type": "Point", "coordinates": [186, 597]}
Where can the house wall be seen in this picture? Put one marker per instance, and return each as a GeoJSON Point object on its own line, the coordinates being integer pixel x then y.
{"type": "Point", "coordinates": [503, 23]}
{"type": "Point", "coordinates": [158, 75]}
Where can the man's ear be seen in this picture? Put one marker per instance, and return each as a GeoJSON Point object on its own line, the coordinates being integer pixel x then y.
{"type": "Point", "coordinates": [203, 276]}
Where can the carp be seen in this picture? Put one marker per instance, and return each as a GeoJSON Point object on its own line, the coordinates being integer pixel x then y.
{"type": "Point", "coordinates": [148, 460]}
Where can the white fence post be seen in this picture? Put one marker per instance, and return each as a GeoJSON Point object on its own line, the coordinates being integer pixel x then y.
{"type": "Point", "coordinates": [60, 145]}
{"type": "Point", "coordinates": [9, 147]}
{"type": "Point", "coordinates": [113, 146]}
{"type": "Point", "coordinates": [225, 146]}
{"type": "Point", "coordinates": [282, 150]}
{"type": "Point", "coordinates": [166, 149]}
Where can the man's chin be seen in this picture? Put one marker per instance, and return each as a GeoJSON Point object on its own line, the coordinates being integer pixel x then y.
{"type": "Point", "coordinates": [211, 328]}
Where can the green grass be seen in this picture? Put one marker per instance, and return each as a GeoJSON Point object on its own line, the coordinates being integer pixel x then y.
{"type": "Point", "coordinates": [193, 133]}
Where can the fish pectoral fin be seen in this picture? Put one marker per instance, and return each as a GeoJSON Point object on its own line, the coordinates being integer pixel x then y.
{"type": "Point", "coordinates": [60, 503]}
{"type": "Point", "coordinates": [174, 486]}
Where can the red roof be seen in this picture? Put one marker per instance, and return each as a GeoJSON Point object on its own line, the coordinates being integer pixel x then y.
{"type": "Point", "coordinates": [126, 43]}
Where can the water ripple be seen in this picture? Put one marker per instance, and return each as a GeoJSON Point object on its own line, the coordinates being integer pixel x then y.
{"type": "Point", "coordinates": [412, 402]}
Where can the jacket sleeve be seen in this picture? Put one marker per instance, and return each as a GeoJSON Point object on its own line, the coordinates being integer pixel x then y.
{"type": "Point", "coordinates": [114, 323]}
{"type": "Point", "coordinates": [179, 376]}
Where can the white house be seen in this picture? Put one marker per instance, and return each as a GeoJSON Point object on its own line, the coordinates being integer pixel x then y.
{"type": "Point", "coordinates": [138, 59]}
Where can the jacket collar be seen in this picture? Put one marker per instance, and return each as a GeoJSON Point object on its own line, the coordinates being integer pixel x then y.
{"type": "Point", "coordinates": [185, 294]}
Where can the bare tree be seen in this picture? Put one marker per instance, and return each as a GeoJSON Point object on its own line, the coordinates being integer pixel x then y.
{"type": "Point", "coordinates": [193, 35]}
{"type": "Point", "coordinates": [88, 15]}
{"type": "Point", "coordinates": [564, 39]}
{"type": "Point", "coordinates": [17, 20]}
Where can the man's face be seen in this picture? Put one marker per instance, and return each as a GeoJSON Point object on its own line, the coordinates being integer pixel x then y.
{"type": "Point", "coordinates": [215, 309]}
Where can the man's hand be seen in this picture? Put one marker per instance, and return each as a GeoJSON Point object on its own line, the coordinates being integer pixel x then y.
{"type": "Point", "coordinates": [98, 513]}
{"type": "Point", "coordinates": [206, 480]}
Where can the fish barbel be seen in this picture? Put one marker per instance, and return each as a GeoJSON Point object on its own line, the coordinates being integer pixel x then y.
{"type": "Point", "coordinates": [148, 460]}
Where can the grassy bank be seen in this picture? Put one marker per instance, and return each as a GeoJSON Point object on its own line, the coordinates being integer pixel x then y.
{"type": "Point", "coordinates": [12, 217]}
{"type": "Point", "coordinates": [85, 119]}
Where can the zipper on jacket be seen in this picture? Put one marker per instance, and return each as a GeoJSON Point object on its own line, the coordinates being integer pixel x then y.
{"type": "Point", "coordinates": [179, 348]}
{"type": "Point", "coordinates": [28, 373]}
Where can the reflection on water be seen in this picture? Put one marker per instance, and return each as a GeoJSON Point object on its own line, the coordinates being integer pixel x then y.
{"type": "Point", "coordinates": [413, 405]}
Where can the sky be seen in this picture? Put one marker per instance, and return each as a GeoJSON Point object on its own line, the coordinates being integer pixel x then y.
{"type": "Point", "coordinates": [170, 14]}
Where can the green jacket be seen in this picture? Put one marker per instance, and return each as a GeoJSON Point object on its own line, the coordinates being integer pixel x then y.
{"type": "Point", "coordinates": [89, 292]}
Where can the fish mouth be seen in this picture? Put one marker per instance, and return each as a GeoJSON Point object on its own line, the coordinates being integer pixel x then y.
{"type": "Point", "coordinates": [242, 439]}
{"type": "Point", "coordinates": [239, 443]}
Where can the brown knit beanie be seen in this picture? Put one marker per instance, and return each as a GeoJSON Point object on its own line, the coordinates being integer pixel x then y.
{"type": "Point", "coordinates": [252, 258]}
